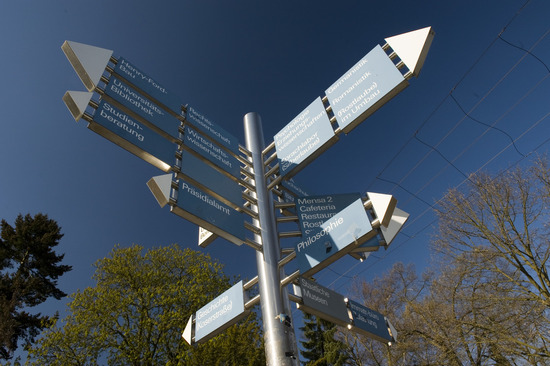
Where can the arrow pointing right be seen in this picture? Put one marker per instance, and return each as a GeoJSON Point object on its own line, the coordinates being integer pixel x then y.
{"type": "Point", "coordinates": [412, 47]}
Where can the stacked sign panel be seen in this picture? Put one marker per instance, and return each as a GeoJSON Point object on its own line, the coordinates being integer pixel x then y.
{"type": "Point", "coordinates": [304, 138]}
{"type": "Point", "coordinates": [369, 84]}
{"type": "Point", "coordinates": [331, 225]}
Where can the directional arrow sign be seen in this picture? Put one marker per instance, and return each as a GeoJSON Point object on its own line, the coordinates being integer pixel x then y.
{"type": "Point", "coordinates": [383, 206]}
{"type": "Point", "coordinates": [218, 134]}
{"type": "Point", "coordinates": [211, 152]}
{"type": "Point", "coordinates": [374, 80]}
{"type": "Point", "coordinates": [206, 237]}
{"type": "Point", "coordinates": [89, 62]}
{"type": "Point", "coordinates": [331, 225]}
{"type": "Point", "coordinates": [304, 138]}
{"type": "Point", "coordinates": [216, 316]}
{"type": "Point", "coordinates": [396, 223]}
{"type": "Point", "coordinates": [322, 302]}
{"type": "Point", "coordinates": [331, 306]}
{"type": "Point", "coordinates": [388, 232]}
{"type": "Point", "coordinates": [77, 102]}
{"type": "Point", "coordinates": [116, 126]}
{"type": "Point", "coordinates": [369, 322]}
{"type": "Point", "coordinates": [141, 108]}
{"type": "Point", "coordinates": [412, 47]}
{"type": "Point", "coordinates": [368, 85]}
{"type": "Point", "coordinates": [147, 85]}
{"type": "Point", "coordinates": [210, 180]}
{"type": "Point", "coordinates": [199, 208]}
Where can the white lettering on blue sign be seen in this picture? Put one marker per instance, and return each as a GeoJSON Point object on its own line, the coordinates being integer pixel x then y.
{"type": "Point", "coordinates": [205, 198]}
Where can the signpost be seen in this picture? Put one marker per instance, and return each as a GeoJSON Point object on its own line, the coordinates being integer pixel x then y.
{"type": "Point", "coordinates": [304, 138]}
{"type": "Point", "coordinates": [140, 115]}
{"type": "Point", "coordinates": [322, 302]}
{"type": "Point", "coordinates": [210, 152]}
{"type": "Point", "coordinates": [116, 126]}
{"type": "Point", "coordinates": [368, 85]}
{"type": "Point", "coordinates": [209, 128]}
{"type": "Point", "coordinates": [200, 208]}
{"type": "Point", "coordinates": [216, 316]}
{"type": "Point", "coordinates": [369, 322]}
{"type": "Point", "coordinates": [210, 180]}
{"type": "Point", "coordinates": [331, 225]}
{"type": "Point", "coordinates": [329, 305]}
{"type": "Point", "coordinates": [141, 108]}
{"type": "Point", "coordinates": [149, 86]}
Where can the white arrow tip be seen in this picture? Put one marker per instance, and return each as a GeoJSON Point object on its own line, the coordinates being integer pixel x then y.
{"type": "Point", "coordinates": [89, 62]}
{"type": "Point", "coordinates": [160, 186]}
{"type": "Point", "coordinates": [383, 206]}
{"type": "Point", "coordinates": [187, 332]}
{"type": "Point", "coordinates": [77, 102]}
{"type": "Point", "coordinates": [412, 47]}
{"type": "Point", "coordinates": [397, 221]}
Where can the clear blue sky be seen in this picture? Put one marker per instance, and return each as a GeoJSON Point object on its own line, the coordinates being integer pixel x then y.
{"type": "Point", "coordinates": [230, 58]}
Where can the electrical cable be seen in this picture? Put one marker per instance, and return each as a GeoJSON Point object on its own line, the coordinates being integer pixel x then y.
{"type": "Point", "coordinates": [431, 207]}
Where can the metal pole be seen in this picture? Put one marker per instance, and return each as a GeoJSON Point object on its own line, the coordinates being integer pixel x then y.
{"type": "Point", "coordinates": [280, 345]}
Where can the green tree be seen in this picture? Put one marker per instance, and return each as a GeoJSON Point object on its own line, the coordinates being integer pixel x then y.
{"type": "Point", "coordinates": [29, 269]}
{"type": "Point", "coordinates": [138, 309]}
{"type": "Point", "coordinates": [321, 348]}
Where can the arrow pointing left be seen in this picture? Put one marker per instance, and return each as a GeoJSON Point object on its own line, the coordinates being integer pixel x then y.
{"type": "Point", "coordinates": [89, 62]}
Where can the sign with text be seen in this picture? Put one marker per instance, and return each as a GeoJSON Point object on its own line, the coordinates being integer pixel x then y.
{"type": "Point", "coordinates": [133, 136]}
{"type": "Point", "coordinates": [290, 191]}
{"type": "Point", "coordinates": [369, 322]}
{"type": "Point", "coordinates": [211, 152]}
{"type": "Point", "coordinates": [331, 225]}
{"type": "Point", "coordinates": [147, 85]}
{"type": "Point", "coordinates": [204, 210]}
{"type": "Point", "coordinates": [222, 312]}
{"type": "Point", "coordinates": [369, 84]}
{"type": "Point", "coordinates": [140, 107]}
{"type": "Point", "coordinates": [212, 130]}
{"type": "Point", "coordinates": [210, 180]}
{"type": "Point", "coordinates": [323, 302]}
{"type": "Point", "coordinates": [304, 138]}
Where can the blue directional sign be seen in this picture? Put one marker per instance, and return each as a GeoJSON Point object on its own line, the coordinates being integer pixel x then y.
{"type": "Point", "coordinates": [369, 322]}
{"type": "Point", "coordinates": [212, 152]}
{"type": "Point", "coordinates": [369, 84]}
{"type": "Point", "coordinates": [220, 313]}
{"type": "Point", "coordinates": [204, 210]}
{"type": "Point", "coordinates": [330, 224]}
{"type": "Point", "coordinates": [140, 107]}
{"type": "Point", "coordinates": [209, 179]}
{"type": "Point", "coordinates": [323, 302]}
{"type": "Point", "coordinates": [148, 85]}
{"type": "Point", "coordinates": [215, 132]}
{"type": "Point", "coordinates": [304, 138]}
{"type": "Point", "coordinates": [116, 126]}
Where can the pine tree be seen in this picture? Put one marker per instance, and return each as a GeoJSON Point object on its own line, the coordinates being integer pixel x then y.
{"type": "Point", "coordinates": [29, 269]}
{"type": "Point", "coordinates": [321, 348]}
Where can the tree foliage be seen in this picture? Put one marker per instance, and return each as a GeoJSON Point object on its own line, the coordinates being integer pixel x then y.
{"type": "Point", "coordinates": [137, 310]}
{"type": "Point", "coordinates": [485, 301]}
{"type": "Point", "coordinates": [505, 220]}
{"type": "Point", "coordinates": [29, 270]}
{"type": "Point", "coordinates": [321, 348]}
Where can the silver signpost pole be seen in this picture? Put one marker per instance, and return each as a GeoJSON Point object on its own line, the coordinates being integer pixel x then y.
{"type": "Point", "coordinates": [278, 337]}
{"type": "Point", "coordinates": [368, 85]}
